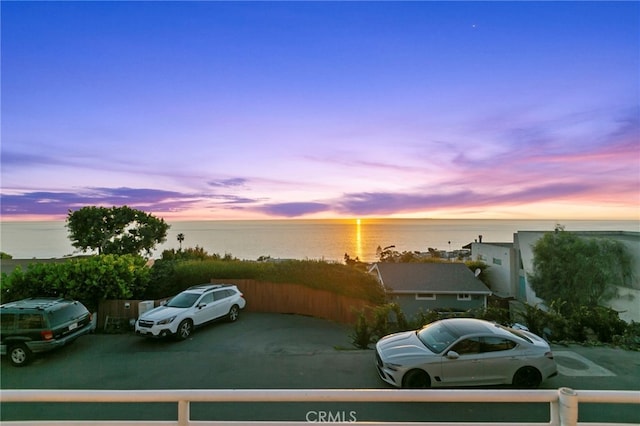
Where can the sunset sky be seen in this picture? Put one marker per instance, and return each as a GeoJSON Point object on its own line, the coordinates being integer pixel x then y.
{"type": "Point", "coordinates": [243, 110]}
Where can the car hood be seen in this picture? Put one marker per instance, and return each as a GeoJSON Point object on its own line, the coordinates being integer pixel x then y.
{"type": "Point", "coordinates": [402, 348]}
{"type": "Point", "coordinates": [161, 312]}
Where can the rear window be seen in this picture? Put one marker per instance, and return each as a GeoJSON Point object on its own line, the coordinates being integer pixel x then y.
{"type": "Point", "coordinates": [517, 333]}
{"type": "Point", "coordinates": [66, 313]}
{"type": "Point", "coordinates": [222, 294]}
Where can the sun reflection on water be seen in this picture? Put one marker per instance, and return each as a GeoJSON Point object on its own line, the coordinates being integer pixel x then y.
{"type": "Point", "coordinates": [359, 239]}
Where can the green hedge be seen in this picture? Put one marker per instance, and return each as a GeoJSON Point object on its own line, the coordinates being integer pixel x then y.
{"type": "Point", "coordinates": [170, 277]}
{"type": "Point", "coordinates": [87, 279]}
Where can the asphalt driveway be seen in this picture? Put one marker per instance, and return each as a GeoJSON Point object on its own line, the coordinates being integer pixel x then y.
{"type": "Point", "coordinates": [264, 350]}
{"type": "Point", "coordinates": [258, 351]}
{"type": "Point", "coordinates": [272, 351]}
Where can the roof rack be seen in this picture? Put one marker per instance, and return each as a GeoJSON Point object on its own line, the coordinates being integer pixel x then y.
{"type": "Point", "coordinates": [206, 286]}
{"type": "Point", "coordinates": [40, 303]}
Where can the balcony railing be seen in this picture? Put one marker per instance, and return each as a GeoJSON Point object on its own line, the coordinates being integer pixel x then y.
{"type": "Point", "coordinates": [563, 403]}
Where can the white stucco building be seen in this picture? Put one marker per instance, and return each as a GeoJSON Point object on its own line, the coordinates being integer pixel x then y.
{"type": "Point", "coordinates": [511, 263]}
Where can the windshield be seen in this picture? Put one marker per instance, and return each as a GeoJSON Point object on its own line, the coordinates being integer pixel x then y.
{"type": "Point", "coordinates": [437, 336]}
{"type": "Point", "coordinates": [183, 300]}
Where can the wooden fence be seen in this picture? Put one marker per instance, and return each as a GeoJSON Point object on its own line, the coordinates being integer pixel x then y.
{"type": "Point", "coordinates": [261, 297]}
{"type": "Point", "coordinates": [297, 299]}
{"type": "Point", "coordinates": [122, 311]}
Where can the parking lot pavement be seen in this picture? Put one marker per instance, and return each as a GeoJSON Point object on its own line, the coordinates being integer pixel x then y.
{"type": "Point", "coordinates": [257, 351]}
{"type": "Point", "coordinates": [275, 351]}
{"type": "Point", "coordinates": [595, 367]}
{"type": "Point", "coordinates": [266, 351]}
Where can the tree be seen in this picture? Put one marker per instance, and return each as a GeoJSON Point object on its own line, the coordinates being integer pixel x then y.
{"type": "Point", "coordinates": [115, 230]}
{"type": "Point", "coordinates": [88, 279]}
{"type": "Point", "coordinates": [578, 271]}
{"type": "Point", "coordinates": [180, 239]}
{"type": "Point", "coordinates": [349, 261]}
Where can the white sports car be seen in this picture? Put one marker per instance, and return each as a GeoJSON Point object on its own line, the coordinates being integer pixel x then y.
{"type": "Point", "coordinates": [464, 352]}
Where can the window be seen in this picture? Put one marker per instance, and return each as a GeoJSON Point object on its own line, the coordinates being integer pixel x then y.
{"type": "Point", "coordinates": [425, 296]}
{"type": "Point", "coordinates": [7, 321]}
{"type": "Point", "coordinates": [464, 296]}
{"type": "Point", "coordinates": [66, 313]}
{"type": "Point", "coordinates": [494, 344]}
{"type": "Point", "coordinates": [29, 321]}
{"type": "Point", "coordinates": [468, 346]}
{"type": "Point", "coordinates": [219, 295]}
{"type": "Point", "coordinates": [207, 298]}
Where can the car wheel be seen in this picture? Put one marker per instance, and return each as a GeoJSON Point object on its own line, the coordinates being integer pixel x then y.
{"type": "Point", "coordinates": [234, 313]}
{"type": "Point", "coordinates": [184, 329]}
{"type": "Point", "coordinates": [20, 355]}
{"type": "Point", "coordinates": [527, 377]}
{"type": "Point", "coordinates": [416, 379]}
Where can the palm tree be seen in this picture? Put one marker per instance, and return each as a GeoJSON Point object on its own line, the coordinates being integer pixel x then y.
{"type": "Point", "coordinates": [180, 239]}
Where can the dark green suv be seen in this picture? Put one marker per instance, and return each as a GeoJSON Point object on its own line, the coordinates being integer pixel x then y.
{"type": "Point", "coordinates": [33, 325]}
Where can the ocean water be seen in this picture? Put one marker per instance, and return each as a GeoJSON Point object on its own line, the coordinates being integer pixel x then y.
{"type": "Point", "coordinates": [303, 239]}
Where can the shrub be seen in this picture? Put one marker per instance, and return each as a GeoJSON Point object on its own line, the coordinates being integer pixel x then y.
{"type": "Point", "coordinates": [380, 327]}
{"type": "Point", "coordinates": [585, 324]}
{"type": "Point", "coordinates": [535, 319]}
{"type": "Point", "coordinates": [492, 313]}
{"type": "Point", "coordinates": [361, 336]}
{"type": "Point", "coordinates": [604, 322]}
{"type": "Point", "coordinates": [630, 338]}
{"type": "Point", "coordinates": [401, 321]}
{"type": "Point", "coordinates": [423, 318]}
{"type": "Point", "coordinates": [173, 276]}
{"type": "Point", "coordinates": [87, 279]}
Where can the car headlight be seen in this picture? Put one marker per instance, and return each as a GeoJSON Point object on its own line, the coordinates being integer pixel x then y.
{"type": "Point", "coordinates": [166, 320]}
{"type": "Point", "coordinates": [391, 366]}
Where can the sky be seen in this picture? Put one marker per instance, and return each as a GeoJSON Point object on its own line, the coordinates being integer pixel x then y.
{"type": "Point", "coordinates": [288, 110]}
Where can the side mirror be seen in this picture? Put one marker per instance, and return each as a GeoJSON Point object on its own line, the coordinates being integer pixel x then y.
{"type": "Point", "coordinates": [453, 355]}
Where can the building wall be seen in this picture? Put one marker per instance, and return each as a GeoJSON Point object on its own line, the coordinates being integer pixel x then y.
{"type": "Point", "coordinates": [411, 306]}
{"type": "Point", "coordinates": [501, 262]}
{"type": "Point", "coordinates": [628, 300]}
{"type": "Point", "coordinates": [627, 303]}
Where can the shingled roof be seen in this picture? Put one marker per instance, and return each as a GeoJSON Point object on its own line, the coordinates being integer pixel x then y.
{"type": "Point", "coordinates": [429, 278]}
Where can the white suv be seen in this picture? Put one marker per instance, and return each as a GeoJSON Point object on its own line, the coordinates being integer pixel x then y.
{"type": "Point", "coordinates": [194, 307]}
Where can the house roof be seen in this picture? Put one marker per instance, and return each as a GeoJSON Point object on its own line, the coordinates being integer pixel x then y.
{"type": "Point", "coordinates": [437, 277]}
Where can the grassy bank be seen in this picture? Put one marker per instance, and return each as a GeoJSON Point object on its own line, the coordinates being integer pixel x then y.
{"type": "Point", "coordinates": [334, 277]}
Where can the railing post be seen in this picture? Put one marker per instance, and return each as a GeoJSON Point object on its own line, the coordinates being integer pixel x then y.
{"type": "Point", "coordinates": [554, 413]}
{"type": "Point", "coordinates": [568, 403]}
{"type": "Point", "coordinates": [183, 413]}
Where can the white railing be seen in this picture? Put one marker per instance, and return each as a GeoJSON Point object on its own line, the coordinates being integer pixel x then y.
{"type": "Point", "coordinates": [563, 403]}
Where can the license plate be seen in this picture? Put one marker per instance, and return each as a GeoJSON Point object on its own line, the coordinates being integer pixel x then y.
{"type": "Point", "coordinates": [73, 326]}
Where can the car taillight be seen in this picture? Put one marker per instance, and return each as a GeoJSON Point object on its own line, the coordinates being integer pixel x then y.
{"type": "Point", "coordinates": [46, 334]}
{"type": "Point", "coordinates": [549, 355]}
